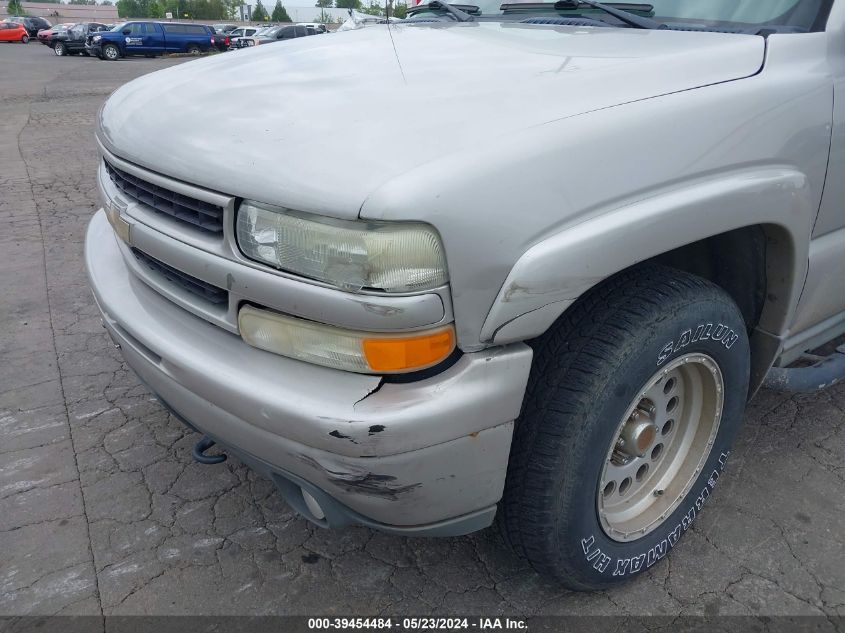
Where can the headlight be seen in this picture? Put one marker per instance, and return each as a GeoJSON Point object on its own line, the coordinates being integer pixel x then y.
{"type": "Point", "coordinates": [362, 352]}
{"type": "Point", "coordinates": [97, 38]}
{"type": "Point", "coordinates": [389, 256]}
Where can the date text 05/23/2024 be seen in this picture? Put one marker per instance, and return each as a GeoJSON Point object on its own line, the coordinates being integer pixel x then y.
{"type": "Point", "coordinates": [419, 624]}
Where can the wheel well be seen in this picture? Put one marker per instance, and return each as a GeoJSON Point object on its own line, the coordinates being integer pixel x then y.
{"type": "Point", "coordinates": [735, 260]}
{"type": "Point", "coordinates": [756, 266]}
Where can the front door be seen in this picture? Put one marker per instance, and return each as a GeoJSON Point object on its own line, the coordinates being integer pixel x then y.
{"type": "Point", "coordinates": [821, 311]}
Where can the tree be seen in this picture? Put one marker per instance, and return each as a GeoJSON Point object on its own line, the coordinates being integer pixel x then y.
{"type": "Point", "coordinates": [129, 9]}
{"type": "Point", "coordinates": [259, 13]}
{"type": "Point", "coordinates": [325, 4]}
{"type": "Point", "coordinates": [155, 10]}
{"type": "Point", "coordinates": [400, 10]}
{"type": "Point", "coordinates": [374, 9]}
{"type": "Point", "coordinates": [280, 14]}
{"type": "Point", "coordinates": [348, 4]}
{"type": "Point", "coordinates": [324, 17]}
{"type": "Point", "coordinates": [233, 8]}
{"type": "Point", "coordinates": [14, 8]}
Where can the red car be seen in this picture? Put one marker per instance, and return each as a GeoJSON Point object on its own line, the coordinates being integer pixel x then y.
{"type": "Point", "coordinates": [46, 35]}
{"type": "Point", "coordinates": [13, 32]}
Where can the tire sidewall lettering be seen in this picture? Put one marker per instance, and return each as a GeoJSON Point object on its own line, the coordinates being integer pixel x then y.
{"type": "Point", "coordinates": [631, 565]}
{"type": "Point", "coordinates": [717, 332]}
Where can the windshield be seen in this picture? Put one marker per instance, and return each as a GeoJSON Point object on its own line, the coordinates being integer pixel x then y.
{"type": "Point", "coordinates": [802, 15]}
{"type": "Point", "coordinates": [265, 31]}
{"type": "Point", "coordinates": [118, 27]}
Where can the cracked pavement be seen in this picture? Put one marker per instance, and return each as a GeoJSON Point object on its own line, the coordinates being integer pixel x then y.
{"type": "Point", "coordinates": [103, 511]}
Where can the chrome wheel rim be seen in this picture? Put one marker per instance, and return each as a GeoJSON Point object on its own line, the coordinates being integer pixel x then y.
{"type": "Point", "coordinates": [59, 50]}
{"type": "Point", "coordinates": [111, 53]}
{"type": "Point", "coordinates": [660, 447]}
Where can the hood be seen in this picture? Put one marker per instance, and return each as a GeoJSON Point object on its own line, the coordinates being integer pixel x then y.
{"type": "Point", "coordinates": [329, 118]}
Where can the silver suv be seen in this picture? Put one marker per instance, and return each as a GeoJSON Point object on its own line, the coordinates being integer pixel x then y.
{"type": "Point", "coordinates": [520, 261]}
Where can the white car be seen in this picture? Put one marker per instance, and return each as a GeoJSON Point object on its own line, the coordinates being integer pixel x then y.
{"type": "Point", "coordinates": [244, 31]}
{"type": "Point", "coordinates": [248, 39]}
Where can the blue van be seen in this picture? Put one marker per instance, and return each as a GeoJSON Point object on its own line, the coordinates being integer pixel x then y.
{"type": "Point", "coordinates": [150, 39]}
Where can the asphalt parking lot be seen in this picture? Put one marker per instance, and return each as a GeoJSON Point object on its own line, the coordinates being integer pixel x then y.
{"type": "Point", "coordinates": [103, 511]}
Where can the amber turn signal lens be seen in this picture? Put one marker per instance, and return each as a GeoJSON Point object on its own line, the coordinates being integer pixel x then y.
{"type": "Point", "coordinates": [121, 227]}
{"type": "Point", "coordinates": [349, 350]}
{"type": "Point", "coordinates": [409, 353]}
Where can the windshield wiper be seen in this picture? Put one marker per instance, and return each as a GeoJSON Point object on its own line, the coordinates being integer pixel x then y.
{"type": "Point", "coordinates": [631, 19]}
{"type": "Point", "coordinates": [461, 12]}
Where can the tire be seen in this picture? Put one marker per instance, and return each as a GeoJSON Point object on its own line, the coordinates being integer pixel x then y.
{"type": "Point", "coordinates": [60, 49]}
{"type": "Point", "coordinates": [111, 53]}
{"type": "Point", "coordinates": [194, 49]}
{"type": "Point", "coordinates": [25, 39]}
{"type": "Point", "coordinates": [85, 53]}
{"type": "Point", "coordinates": [624, 339]}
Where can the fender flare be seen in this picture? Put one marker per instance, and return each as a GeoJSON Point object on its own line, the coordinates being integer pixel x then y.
{"type": "Point", "coordinates": [554, 272]}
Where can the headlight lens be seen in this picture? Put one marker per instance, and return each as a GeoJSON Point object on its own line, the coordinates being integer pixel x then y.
{"type": "Point", "coordinates": [97, 38]}
{"type": "Point", "coordinates": [362, 352]}
{"type": "Point", "coordinates": [389, 256]}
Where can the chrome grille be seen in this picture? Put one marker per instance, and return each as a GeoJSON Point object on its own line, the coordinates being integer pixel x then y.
{"type": "Point", "coordinates": [199, 213]}
{"type": "Point", "coordinates": [198, 287]}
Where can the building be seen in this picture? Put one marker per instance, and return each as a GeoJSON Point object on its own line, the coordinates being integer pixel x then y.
{"type": "Point", "coordinates": [298, 13]}
{"type": "Point", "coordinates": [57, 13]}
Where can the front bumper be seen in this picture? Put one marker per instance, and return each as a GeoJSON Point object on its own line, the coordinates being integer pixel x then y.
{"type": "Point", "coordinates": [427, 457]}
{"type": "Point", "coordinates": [94, 49]}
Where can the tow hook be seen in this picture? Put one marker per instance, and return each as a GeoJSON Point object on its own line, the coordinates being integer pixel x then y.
{"type": "Point", "coordinates": [201, 447]}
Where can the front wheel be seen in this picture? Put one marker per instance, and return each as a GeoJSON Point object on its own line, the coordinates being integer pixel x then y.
{"type": "Point", "coordinates": [59, 49]}
{"type": "Point", "coordinates": [111, 52]}
{"type": "Point", "coordinates": [633, 404]}
{"type": "Point", "coordinates": [25, 39]}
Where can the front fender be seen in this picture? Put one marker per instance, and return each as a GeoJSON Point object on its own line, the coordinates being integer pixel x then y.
{"type": "Point", "coordinates": [549, 276]}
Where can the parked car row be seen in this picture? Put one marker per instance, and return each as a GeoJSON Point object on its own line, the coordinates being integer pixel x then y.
{"type": "Point", "coordinates": [150, 38]}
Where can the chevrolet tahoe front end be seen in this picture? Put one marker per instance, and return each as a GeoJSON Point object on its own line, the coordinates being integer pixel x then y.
{"type": "Point", "coordinates": [559, 283]}
{"type": "Point", "coordinates": [404, 446]}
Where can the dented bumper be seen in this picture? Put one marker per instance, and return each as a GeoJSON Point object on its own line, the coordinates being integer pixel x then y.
{"type": "Point", "coordinates": [425, 457]}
